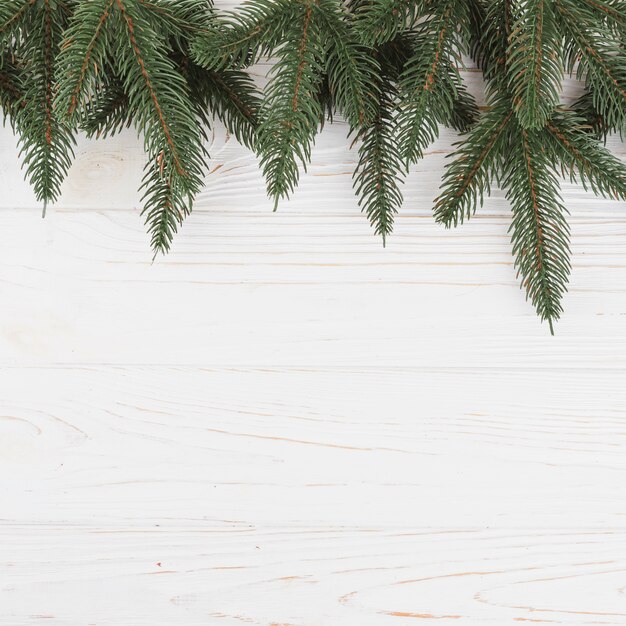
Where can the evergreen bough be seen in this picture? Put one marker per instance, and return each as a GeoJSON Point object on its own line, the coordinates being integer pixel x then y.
{"type": "Point", "coordinates": [390, 68]}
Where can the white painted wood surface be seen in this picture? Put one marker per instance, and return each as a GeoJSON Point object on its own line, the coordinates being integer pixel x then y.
{"type": "Point", "coordinates": [283, 423]}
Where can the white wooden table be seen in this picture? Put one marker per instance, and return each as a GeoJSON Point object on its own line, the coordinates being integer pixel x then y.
{"type": "Point", "coordinates": [282, 423]}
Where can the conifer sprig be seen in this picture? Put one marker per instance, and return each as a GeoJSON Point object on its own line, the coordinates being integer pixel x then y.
{"type": "Point", "coordinates": [377, 176]}
{"type": "Point", "coordinates": [127, 62]}
{"type": "Point", "coordinates": [152, 91]}
{"type": "Point", "coordinates": [594, 54]}
{"type": "Point", "coordinates": [315, 52]}
{"type": "Point", "coordinates": [241, 37]}
{"type": "Point", "coordinates": [290, 111]}
{"type": "Point", "coordinates": [477, 163]}
{"type": "Point", "coordinates": [380, 21]}
{"type": "Point", "coordinates": [11, 90]}
{"type": "Point", "coordinates": [159, 98]}
{"type": "Point", "coordinates": [534, 59]}
{"type": "Point", "coordinates": [582, 158]}
{"type": "Point", "coordinates": [430, 81]}
{"type": "Point", "coordinates": [31, 34]}
{"type": "Point", "coordinates": [526, 140]}
{"type": "Point", "coordinates": [379, 172]}
{"type": "Point", "coordinates": [103, 65]}
{"type": "Point", "coordinates": [539, 232]}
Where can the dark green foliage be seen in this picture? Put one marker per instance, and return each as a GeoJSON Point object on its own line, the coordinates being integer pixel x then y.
{"type": "Point", "coordinates": [147, 89]}
{"type": "Point", "coordinates": [594, 54]}
{"type": "Point", "coordinates": [290, 112]}
{"type": "Point", "coordinates": [582, 158]}
{"type": "Point", "coordinates": [379, 171]}
{"type": "Point", "coordinates": [478, 162]}
{"type": "Point", "coordinates": [320, 65]}
{"type": "Point", "coordinates": [30, 35]}
{"type": "Point", "coordinates": [11, 89]}
{"type": "Point", "coordinates": [239, 39]}
{"type": "Point", "coordinates": [103, 65]}
{"type": "Point", "coordinates": [534, 61]}
{"type": "Point", "coordinates": [358, 60]}
{"type": "Point", "coordinates": [433, 35]}
{"type": "Point", "coordinates": [526, 140]}
{"type": "Point", "coordinates": [539, 232]}
{"type": "Point", "coordinates": [430, 83]}
{"type": "Point", "coordinates": [382, 20]}
{"type": "Point", "coordinates": [159, 98]}
{"type": "Point", "coordinates": [389, 68]}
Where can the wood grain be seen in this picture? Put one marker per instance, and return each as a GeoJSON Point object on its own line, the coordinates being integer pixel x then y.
{"type": "Point", "coordinates": [283, 424]}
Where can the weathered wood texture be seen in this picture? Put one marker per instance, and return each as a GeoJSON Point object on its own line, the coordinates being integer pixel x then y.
{"type": "Point", "coordinates": [283, 423]}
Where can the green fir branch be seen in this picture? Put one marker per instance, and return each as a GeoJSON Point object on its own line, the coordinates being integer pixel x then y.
{"type": "Point", "coordinates": [377, 177]}
{"type": "Point", "coordinates": [159, 98]}
{"type": "Point", "coordinates": [582, 158]}
{"type": "Point", "coordinates": [380, 21]}
{"type": "Point", "coordinates": [240, 38]}
{"type": "Point", "coordinates": [534, 62]}
{"type": "Point", "coordinates": [107, 112]}
{"type": "Point", "coordinates": [84, 54]}
{"type": "Point", "coordinates": [539, 232]}
{"type": "Point", "coordinates": [46, 141]}
{"type": "Point", "coordinates": [352, 69]}
{"type": "Point", "coordinates": [475, 164]}
{"type": "Point", "coordinates": [11, 90]}
{"type": "Point", "coordinates": [430, 80]}
{"type": "Point", "coordinates": [290, 112]}
{"type": "Point", "coordinates": [592, 53]}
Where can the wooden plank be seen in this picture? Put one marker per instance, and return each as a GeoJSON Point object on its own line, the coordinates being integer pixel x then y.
{"type": "Point", "coordinates": [299, 288]}
{"type": "Point", "coordinates": [174, 495]}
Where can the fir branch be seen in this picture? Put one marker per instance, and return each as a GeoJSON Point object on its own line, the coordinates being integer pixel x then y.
{"type": "Point", "coordinates": [377, 177]}
{"type": "Point", "coordinates": [429, 81]}
{"type": "Point", "coordinates": [85, 48]}
{"type": "Point", "coordinates": [159, 98]}
{"type": "Point", "coordinates": [291, 112]}
{"type": "Point", "coordinates": [539, 232]}
{"type": "Point", "coordinates": [352, 70]}
{"type": "Point", "coordinates": [167, 201]}
{"type": "Point", "coordinates": [153, 84]}
{"type": "Point", "coordinates": [525, 137]}
{"type": "Point", "coordinates": [599, 60]}
{"type": "Point", "coordinates": [534, 62]}
{"type": "Point", "coordinates": [239, 39]}
{"type": "Point", "coordinates": [46, 142]}
{"type": "Point", "coordinates": [390, 67]}
{"type": "Point", "coordinates": [107, 111]}
{"type": "Point", "coordinates": [475, 164]}
{"type": "Point", "coordinates": [11, 90]}
{"type": "Point", "coordinates": [379, 173]}
{"type": "Point", "coordinates": [380, 21]}
{"type": "Point", "coordinates": [583, 159]}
